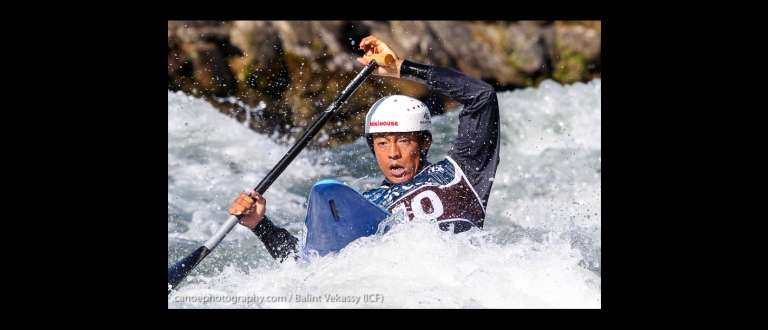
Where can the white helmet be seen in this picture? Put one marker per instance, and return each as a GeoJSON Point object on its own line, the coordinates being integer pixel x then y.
{"type": "Point", "coordinates": [398, 113]}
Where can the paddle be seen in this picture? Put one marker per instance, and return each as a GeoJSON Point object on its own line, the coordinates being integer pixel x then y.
{"type": "Point", "coordinates": [181, 269]}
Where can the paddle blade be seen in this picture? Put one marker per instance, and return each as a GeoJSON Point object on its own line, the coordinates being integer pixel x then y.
{"type": "Point", "coordinates": [181, 269]}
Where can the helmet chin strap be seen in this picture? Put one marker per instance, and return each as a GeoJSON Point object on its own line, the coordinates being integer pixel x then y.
{"type": "Point", "coordinates": [424, 137]}
{"type": "Point", "coordinates": [422, 163]}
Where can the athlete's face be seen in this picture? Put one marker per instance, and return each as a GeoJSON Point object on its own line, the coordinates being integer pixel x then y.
{"type": "Point", "coordinates": [398, 155]}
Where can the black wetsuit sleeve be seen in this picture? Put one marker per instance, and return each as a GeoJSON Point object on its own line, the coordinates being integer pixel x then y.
{"type": "Point", "coordinates": [476, 149]}
{"type": "Point", "coordinates": [279, 241]}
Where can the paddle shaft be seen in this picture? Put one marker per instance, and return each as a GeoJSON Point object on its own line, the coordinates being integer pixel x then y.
{"type": "Point", "coordinates": [181, 269]}
{"type": "Point", "coordinates": [314, 129]}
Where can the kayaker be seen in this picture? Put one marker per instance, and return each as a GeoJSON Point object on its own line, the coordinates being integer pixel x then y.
{"type": "Point", "coordinates": [452, 192]}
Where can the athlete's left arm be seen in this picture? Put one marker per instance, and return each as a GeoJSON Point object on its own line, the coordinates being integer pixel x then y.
{"type": "Point", "coordinates": [476, 149]}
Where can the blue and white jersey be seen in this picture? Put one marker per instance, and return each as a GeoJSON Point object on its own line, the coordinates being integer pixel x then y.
{"type": "Point", "coordinates": [440, 192]}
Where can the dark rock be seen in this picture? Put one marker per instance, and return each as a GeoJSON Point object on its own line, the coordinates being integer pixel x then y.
{"type": "Point", "coordinates": [280, 75]}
